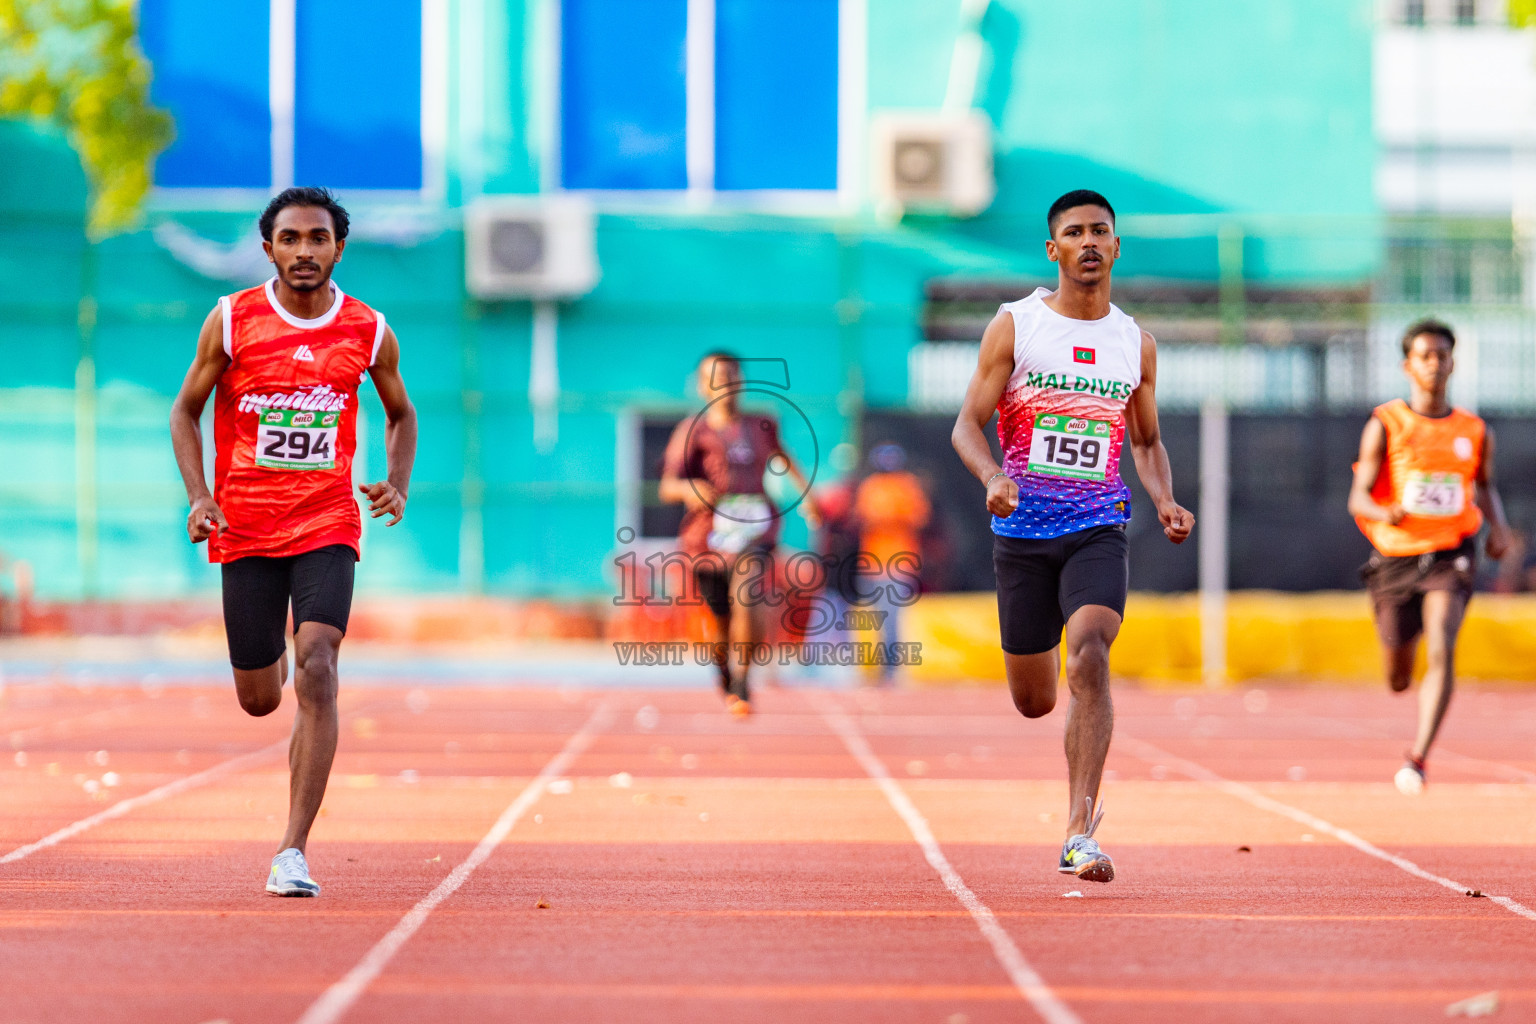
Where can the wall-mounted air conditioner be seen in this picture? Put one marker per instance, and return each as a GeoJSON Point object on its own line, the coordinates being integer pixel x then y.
{"type": "Point", "coordinates": [932, 161]}
{"type": "Point", "coordinates": [537, 247]}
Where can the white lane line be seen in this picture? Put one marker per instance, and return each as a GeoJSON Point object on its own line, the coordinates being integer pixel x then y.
{"type": "Point", "coordinates": [164, 792]}
{"type": "Point", "coordinates": [1029, 983]}
{"type": "Point", "coordinates": [1200, 773]}
{"type": "Point", "coordinates": [338, 999]}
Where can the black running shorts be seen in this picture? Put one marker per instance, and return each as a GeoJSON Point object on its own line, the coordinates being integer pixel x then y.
{"type": "Point", "coordinates": [257, 592]}
{"type": "Point", "coordinates": [1397, 586]}
{"type": "Point", "coordinates": [1040, 583]}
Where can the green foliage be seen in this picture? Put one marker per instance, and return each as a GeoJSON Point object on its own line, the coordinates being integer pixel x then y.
{"type": "Point", "coordinates": [76, 64]}
{"type": "Point", "coordinates": [1522, 13]}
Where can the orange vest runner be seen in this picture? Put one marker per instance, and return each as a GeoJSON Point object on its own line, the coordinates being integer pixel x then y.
{"type": "Point", "coordinates": [1430, 470]}
{"type": "Point", "coordinates": [285, 425]}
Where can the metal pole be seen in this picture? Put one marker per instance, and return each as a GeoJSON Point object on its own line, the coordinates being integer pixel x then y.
{"type": "Point", "coordinates": [472, 485]}
{"type": "Point", "coordinates": [544, 376]}
{"type": "Point", "coordinates": [850, 334]}
{"type": "Point", "coordinates": [87, 520]}
{"type": "Point", "coordinates": [1214, 490]}
{"type": "Point", "coordinates": [1232, 294]}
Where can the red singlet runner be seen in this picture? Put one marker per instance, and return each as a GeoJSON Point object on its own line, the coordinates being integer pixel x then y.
{"type": "Point", "coordinates": [285, 424]}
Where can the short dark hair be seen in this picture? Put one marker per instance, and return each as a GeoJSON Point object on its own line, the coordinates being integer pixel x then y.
{"type": "Point", "coordinates": [304, 195]}
{"type": "Point", "coordinates": [1428, 325]}
{"type": "Point", "coordinates": [1077, 197]}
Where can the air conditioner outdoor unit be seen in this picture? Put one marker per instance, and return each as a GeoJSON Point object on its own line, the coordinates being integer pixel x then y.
{"type": "Point", "coordinates": [530, 248]}
{"type": "Point", "coordinates": [932, 161]}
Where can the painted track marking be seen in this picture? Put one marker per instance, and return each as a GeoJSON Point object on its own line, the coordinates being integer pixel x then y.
{"type": "Point", "coordinates": [1024, 977]}
{"type": "Point", "coordinates": [338, 999]}
{"type": "Point", "coordinates": [170, 789]}
{"type": "Point", "coordinates": [1200, 773]}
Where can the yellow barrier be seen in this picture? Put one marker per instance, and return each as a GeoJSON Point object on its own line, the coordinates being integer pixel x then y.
{"type": "Point", "coordinates": [1302, 637]}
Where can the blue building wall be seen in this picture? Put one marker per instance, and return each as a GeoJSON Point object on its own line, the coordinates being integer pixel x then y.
{"type": "Point", "coordinates": [1189, 109]}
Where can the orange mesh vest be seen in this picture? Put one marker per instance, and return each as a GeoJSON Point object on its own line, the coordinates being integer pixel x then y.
{"type": "Point", "coordinates": [1429, 470]}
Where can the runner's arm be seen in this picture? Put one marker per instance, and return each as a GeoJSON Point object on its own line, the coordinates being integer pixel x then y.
{"type": "Point", "coordinates": [387, 497]}
{"type": "Point", "coordinates": [1146, 437]}
{"type": "Point", "coordinates": [202, 377]}
{"type": "Point", "coordinates": [1373, 452]}
{"type": "Point", "coordinates": [676, 488]}
{"type": "Point", "coordinates": [798, 478]}
{"type": "Point", "coordinates": [994, 366]}
{"type": "Point", "coordinates": [1485, 492]}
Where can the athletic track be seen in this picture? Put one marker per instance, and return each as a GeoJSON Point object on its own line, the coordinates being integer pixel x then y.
{"type": "Point", "coordinates": [541, 854]}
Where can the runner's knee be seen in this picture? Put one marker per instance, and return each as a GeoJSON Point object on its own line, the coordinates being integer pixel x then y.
{"type": "Point", "coordinates": [315, 669]}
{"type": "Point", "coordinates": [1088, 665]}
{"type": "Point", "coordinates": [1438, 651]}
{"type": "Point", "coordinates": [1031, 683]}
{"type": "Point", "coordinates": [1034, 703]}
{"type": "Point", "coordinates": [259, 703]}
{"type": "Point", "coordinates": [260, 691]}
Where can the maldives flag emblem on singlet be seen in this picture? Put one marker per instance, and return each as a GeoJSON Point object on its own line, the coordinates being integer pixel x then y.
{"type": "Point", "coordinates": [1082, 355]}
{"type": "Point", "coordinates": [285, 425]}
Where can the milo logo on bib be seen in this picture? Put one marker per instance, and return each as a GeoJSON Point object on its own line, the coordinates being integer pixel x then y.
{"type": "Point", "coordinates": [303, 419]}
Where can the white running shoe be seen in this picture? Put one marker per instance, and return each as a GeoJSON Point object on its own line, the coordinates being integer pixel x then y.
{"type": "Point", "coordinates": [1410, 778]}
{"type": "Point", "coordinates": [1081, 855]}
{"type": "Point", "coordinates": [290, 876]}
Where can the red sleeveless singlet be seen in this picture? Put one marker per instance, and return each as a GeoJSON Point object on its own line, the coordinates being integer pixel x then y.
{"type": "Point", "coordinates": [285, 424]}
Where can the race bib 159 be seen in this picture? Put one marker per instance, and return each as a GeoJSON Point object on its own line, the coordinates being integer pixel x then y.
{"type": "Point", "coordinates": [1069, 446]}
{"type": "Point", "coordinates": [296, 439]}
{"type": "Point", "coordinates": [1434, 494]}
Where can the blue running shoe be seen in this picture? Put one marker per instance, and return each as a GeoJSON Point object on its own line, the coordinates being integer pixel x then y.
{"type": "Point", "coordinates": [290, 876]}
{"type": "Point", "coordinates": [1081, 856]}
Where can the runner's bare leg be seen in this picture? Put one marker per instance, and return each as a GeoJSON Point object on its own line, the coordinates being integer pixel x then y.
{"type": "Point", "coordinates": [1090, 713]}
{"type": "Point", "coordinates": [313, 747]}
{"type": "Point", "coordinates": [1443, 611]}
{"type": "Point", "coordinates": [261, 689]}
{"type": "Point", "coordinates": [1400, 664]}
{"type": "Point", "coordinates": [746, 634]}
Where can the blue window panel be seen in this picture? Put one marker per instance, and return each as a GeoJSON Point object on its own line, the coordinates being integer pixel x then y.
{"type": "Point", "coordinates": [210, 73]}
{"type": "Point", "coordinates": [623, 91]}
{"type": "Point", "coordinates": [776, 94]}
{"type": "Point", "coordinates": [357, 94]}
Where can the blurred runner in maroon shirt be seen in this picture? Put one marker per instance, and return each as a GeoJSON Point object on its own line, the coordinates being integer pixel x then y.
{"type": "Point", "coordinates": [715, 465]}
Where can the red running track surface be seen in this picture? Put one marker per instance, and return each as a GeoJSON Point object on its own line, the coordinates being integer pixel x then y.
{"type": "Point", "coordinates": [684, 866]}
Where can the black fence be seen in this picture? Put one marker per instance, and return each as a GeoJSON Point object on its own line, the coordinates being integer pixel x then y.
{"type": "Point", "coordinates": [1288, 527]}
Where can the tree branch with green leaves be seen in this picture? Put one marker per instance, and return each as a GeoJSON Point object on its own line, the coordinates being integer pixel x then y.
{"type": "Point", "coordinates": [76, 64]}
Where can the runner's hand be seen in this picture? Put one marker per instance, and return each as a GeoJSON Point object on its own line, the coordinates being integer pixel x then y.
{"type": "Point", "coordinates": [1395, 513]}
{"type": "Point", "coordinates": [1497, 544]}
{"type": "Point", "coordinates": [384, 500]}
{"type": "Point", "coordinates": [1002, 497]}
{"type": "Point", "coordinates": [204, 519]}
{"type": "Point", "coordinates": [700, 494]}
{"type": "Point", "coordinates": [1177, 522]}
